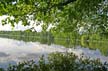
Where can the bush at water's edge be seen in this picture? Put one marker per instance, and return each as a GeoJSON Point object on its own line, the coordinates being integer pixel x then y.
{"type": "Point", "coordinates": [60, 62]}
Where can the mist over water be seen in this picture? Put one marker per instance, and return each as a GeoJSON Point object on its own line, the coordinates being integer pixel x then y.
{"type": "Point", "coordinates": [14, 51]}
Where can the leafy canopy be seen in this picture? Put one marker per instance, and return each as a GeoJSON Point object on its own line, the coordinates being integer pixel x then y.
{"type": "Point", "coordinates": [66, 15]}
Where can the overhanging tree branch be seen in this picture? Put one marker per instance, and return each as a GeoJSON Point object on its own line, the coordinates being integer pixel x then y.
{"type": "Point", "coordinates": [59, 5]}
{"type": "Point", "coordinates": [65, 3]}
{"type": "Point", "coordinates": [62, 3]}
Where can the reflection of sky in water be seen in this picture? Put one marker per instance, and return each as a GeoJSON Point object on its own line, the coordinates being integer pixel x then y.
{"type": "Point", "coordinates": [13, 51]}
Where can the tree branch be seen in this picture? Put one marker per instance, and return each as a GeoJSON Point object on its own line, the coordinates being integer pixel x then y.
{"type": "Point", "coordinates": [62, 4]}
{"type": "Point", "coordinates": [65, 3]}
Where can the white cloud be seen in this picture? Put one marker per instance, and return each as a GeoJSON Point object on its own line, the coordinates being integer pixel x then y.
{"type": "Point", "coordinates": [19, 26]}
{"type": "Point", "coordinates": [6, 27]}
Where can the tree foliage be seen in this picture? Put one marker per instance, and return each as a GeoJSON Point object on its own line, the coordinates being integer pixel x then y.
{"type": "Point", "coordinates": [66, 15]}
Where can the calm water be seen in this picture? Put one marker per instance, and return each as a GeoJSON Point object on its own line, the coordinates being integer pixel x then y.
{"type": "Point", "coordinates": [14, 51]}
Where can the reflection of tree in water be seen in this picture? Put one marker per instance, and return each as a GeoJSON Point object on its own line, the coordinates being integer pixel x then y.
{"type": "Point", "coordinates": [102, 46]}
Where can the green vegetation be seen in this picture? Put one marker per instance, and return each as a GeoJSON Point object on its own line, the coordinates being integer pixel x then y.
{"type": "Point", "coordinates": [92, 41]}
{"type": "Point", "coordinates": [44, 37]}
{"type": "Point", "coordinates": [95, 41]}
{"type": "Point", "coordinates": [65, 15]}
{"type": "Point", "coordinates": [60, 62]}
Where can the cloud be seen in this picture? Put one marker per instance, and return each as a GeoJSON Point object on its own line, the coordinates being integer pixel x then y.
{"type": "Point", "coordinates": [18, 26]}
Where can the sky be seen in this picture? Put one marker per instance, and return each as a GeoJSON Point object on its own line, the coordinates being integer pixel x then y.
{"type": "Point", "coordinates": [17, 27]}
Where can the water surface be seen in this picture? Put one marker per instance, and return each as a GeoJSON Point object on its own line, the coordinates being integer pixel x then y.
{"type": "Point", "coordinates": [14, 51]}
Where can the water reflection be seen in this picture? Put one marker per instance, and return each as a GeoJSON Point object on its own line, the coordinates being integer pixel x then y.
{"type": "Point", "coordinates": [13, 51]}
{"type": "Point", "coordinates": [101, 45]}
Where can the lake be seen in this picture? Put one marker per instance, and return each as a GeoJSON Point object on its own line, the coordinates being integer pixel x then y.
{"type": "Point", "coordinates": [14, 51]}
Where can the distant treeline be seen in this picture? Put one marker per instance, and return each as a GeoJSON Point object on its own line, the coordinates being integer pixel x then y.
{"type": "Point", "coordinates": [52, 37]}
{"type": "Point", "coordinates": [92, 41]}
{"type": "Point", "coordinates": [43, 37]}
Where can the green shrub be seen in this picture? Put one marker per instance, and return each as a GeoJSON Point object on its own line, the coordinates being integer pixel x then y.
{"type": "Point", "coordinates": [60, 62]}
